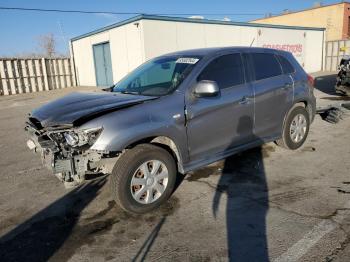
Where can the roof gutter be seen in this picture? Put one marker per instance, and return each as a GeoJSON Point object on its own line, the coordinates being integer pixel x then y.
{"type": "Point", "coordinates": [191, 20]}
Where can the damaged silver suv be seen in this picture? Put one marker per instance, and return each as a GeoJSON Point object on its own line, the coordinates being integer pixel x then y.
{"type": "Point", "coordinates": [171, 115]}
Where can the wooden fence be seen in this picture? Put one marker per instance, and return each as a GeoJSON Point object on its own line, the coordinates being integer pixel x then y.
{"type": "Point", "coordinates": [19, 75]}
{"type": "Point", "coordinates": [335, 51]}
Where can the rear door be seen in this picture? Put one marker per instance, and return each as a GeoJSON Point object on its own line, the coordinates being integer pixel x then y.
{"type": "Point", "coordinates": [103, 64]}
{"type": "Point", "coordinates": [273, 93]}
{"type": "Point", "coordinates": [217, 124]}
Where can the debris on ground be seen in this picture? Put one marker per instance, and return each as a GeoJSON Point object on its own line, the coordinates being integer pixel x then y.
{"type": "Point", "coordinates": [344, 188]}
{"type": "Point", "coordinates": [334, 113]}
{"type": "Point", "coordinates": [343, 84]}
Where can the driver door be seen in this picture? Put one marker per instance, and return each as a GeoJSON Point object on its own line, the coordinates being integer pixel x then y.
{"type": "Point", "coordinates": [220, 123]}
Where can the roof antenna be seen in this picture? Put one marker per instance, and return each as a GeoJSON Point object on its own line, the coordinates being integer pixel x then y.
{"type": "Point", "coordinates": [252, 42]}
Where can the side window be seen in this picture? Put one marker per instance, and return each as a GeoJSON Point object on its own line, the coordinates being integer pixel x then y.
{"type": "Point", "coordinates": [265, 65]}
{"type": "Point", "coordinates": [286, 65]}
{"type": "Point", "coordinates": [226, 71]}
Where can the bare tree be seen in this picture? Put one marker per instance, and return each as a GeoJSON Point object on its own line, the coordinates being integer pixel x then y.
{"type": "Point", "coordinates": [47, 45]}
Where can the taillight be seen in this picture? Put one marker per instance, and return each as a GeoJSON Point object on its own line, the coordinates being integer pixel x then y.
{"type": "Point", "coordinates": [311, 80]}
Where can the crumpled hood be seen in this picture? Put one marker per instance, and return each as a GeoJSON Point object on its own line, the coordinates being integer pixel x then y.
{"type": "Point", "coordinates": [79, 106]}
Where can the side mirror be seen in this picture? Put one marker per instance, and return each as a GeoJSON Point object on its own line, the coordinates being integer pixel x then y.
{"type": "Point", "coordinates": [206, 88]}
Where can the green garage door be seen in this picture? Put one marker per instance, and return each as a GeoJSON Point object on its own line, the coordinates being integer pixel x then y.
{"type": "Point", "coordinates": [103, 65]}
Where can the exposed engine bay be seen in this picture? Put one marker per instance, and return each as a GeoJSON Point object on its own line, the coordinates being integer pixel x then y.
{"type": "Point", "coordinates": [66, 152]}
{"type": "Point", "coordinates": [55, 132]}
{"type": "Point", "coordinates": [343, 79]}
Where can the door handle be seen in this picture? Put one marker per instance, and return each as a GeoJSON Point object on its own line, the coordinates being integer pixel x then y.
{"type": "Point", "coordinates": [245, 100]}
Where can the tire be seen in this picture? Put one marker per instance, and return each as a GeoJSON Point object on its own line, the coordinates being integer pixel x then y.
{"type": "Point", "coordinates": [288, 140]}
{"type": "Point", "coordinates": [137, 164]}
{"type": "Point", "coordinates": [334, 115]}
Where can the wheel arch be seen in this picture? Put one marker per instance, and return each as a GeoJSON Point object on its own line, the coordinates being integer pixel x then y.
{"type": "Point", "coordinates": [165, 142]}
{"type": "Point", "coordinates": [307, 105]}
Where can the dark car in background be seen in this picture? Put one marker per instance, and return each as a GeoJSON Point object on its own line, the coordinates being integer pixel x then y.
{"type": "Point", "coordinates": [174, 114]}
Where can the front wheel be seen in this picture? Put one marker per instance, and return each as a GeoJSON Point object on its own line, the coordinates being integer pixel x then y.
{"type": "Point", "coordinates": [143, 178]}
{"type": "Point", "coordinates": [296, 128]}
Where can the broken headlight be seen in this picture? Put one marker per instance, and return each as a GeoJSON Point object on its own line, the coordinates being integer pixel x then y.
{"type": "Point", "coordinates": [82, 137]}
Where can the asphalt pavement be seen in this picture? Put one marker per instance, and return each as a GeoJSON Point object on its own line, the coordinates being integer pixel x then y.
{"type": "Point", "coordinates": [265, 204]}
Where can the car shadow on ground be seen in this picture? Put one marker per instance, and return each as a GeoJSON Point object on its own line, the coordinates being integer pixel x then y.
{"type": "Point", "coordinates": [59, 231]}
{"type": "Point", "coordinates": [242, 184]}
{"type": "Point", "coordinates": [243, 181]}
{"type": "Point", "coordinates": [326, 84]}
{"type": "Point", "coordinates": [42, 235]}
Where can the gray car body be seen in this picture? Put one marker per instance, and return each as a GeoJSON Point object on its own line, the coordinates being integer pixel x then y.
{"type": "Point", "coordinates": [200, 131]}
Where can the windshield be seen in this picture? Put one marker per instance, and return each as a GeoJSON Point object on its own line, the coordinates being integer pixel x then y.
{"type": "Point", "coordinates": [157, 77]}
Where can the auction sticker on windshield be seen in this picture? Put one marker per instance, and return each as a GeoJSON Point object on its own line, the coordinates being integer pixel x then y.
{"type": "Point", "coordinates": [187, 60]}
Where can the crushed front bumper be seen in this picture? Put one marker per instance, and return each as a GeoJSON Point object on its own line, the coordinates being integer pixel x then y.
{"type": "Point", "coordinates": [68, 165]}
{"type": "Point", "coordinates": [54, 161]}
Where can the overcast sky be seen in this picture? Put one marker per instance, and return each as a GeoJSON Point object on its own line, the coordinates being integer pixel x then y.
{"type": "Point", "coordinates": [20, 29]}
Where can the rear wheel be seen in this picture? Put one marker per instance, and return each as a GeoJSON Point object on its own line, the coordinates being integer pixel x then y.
{"type": "Point", "coordinates": [143, 178]}
{"type": "Point", "coordinates": [296, 128]}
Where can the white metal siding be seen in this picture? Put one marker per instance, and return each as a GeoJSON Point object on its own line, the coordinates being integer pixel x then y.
{"type": "Point", "coordinates": [314, 51]}
{"type": "Point", "coordinates": [168, 36]}
{"type": "Point", "coordinates": [126, 52]}
{"type": "Point", "coordinates": [132, 44]}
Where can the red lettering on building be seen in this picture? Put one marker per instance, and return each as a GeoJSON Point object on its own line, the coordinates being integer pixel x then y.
{"type": "Point", "coordinates": [295, 49]}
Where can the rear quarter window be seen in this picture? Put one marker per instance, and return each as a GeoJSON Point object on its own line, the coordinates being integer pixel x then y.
{"type": "Point", "coordinates": [265, 65]}
{"type": "Point", "coordinates": [287, 67]}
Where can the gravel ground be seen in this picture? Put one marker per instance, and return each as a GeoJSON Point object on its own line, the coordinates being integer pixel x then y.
{"type": "Point", "coordinates": [265, 204]}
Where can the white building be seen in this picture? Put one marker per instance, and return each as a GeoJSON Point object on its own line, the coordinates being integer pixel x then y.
{"type": "Point", "coordinates": [104, 56]}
